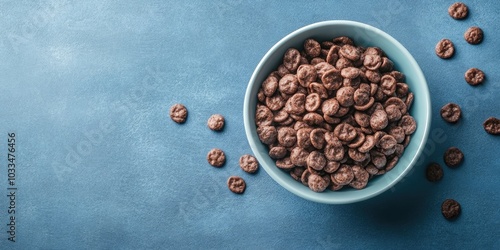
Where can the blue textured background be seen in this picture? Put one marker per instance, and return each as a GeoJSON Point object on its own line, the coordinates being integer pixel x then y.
{"type": "Point", "coordinates": [86, 87]}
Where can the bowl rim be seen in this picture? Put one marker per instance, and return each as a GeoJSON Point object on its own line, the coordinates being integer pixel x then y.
{"type": "Point", "coordinates": [407, 56]}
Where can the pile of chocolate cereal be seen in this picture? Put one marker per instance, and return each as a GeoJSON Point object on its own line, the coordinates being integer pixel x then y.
{"type": "Point", "coordinates": [335, 114]}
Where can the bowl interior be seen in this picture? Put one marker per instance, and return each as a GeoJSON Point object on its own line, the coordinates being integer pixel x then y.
{"type": "Point", "coordinates": [362, 35]}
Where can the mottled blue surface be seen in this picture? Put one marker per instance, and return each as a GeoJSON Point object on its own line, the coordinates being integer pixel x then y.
{"type": "Point", "coordinates": [86, 86]}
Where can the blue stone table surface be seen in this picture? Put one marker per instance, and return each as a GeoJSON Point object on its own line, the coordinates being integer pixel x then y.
{"type": "Point", "coordinates": [86, 87]}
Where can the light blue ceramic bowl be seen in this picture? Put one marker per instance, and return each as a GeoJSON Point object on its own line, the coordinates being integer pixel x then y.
{"type": "Point", "coordinates": [363, 35]}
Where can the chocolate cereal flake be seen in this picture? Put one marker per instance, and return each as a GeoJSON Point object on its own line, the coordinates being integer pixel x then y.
{"type": "Point", "coordinates": [458, 10]}
{"type": "Point", "coordinates": [216, 122]}
{"type": "Point", "coordinates": [453, 157]}
{"type": "Point", "coordinates": [267, 134]}
{"type": "Point", "coordinates": [445, 48]}
{"type": "Point", "coordinates": [285, 163]}
{"type": "Point", "coordinates": [450, 209]}
{"type": "Point", "coordinates": [317, 183]}
{"type": "Point", "coordinates": [361, 177]}
{"type": "Point", "coordinates": [249, 163]}
{"type": "Point", "coordinates": [492, 126]}
{"type": "Point", "coordinates": [316, 160]}
{"type": "Point", "coordinates": [277, 152]}
{"type": "Point", "coordinates": [291, 59]}
{"type": "Point", "coordinates": [343, 176]}
{"type": "Point", "coordinates": [473, 35]}
{"type": "Point", "coordinates": [474, 76]}
{"type": "Point", "coordinates": [434, 172]}
{"type": "Point", "coordinates": [451, 112]}
{"type": "Point", "coordinates": [178, 113]}
{"type": "Point", "coordinates": [312, 48]}
{"type": "Point", "coordinates": [216, 157]}
{"type": "Point", "coordinates": [236, 184]}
